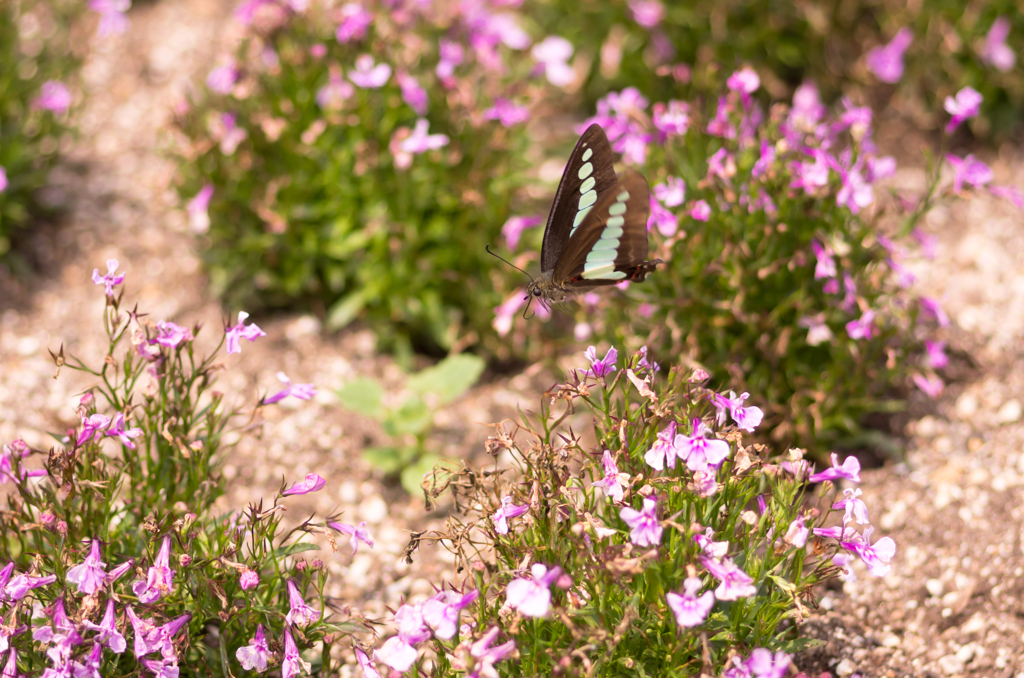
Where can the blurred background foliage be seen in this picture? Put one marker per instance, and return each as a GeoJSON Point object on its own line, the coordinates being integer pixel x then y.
{"type": "Point", "coordinates": [37, 58]}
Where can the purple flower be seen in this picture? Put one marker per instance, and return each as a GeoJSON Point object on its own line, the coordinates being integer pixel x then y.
{"type": "Point", "coordinates": [170, 335]}
{"type": "Point", "coordinates": [876, 556]}
{"type": "Point", "coordinates": [664, 452]}
{"type": "Point", "coordinates": [451, 55]}
{"type": "Point", "coordinates": [849, 469]}
{"type": "Point", "coordinates": [197, 209]}
{"type": "Point", "coordinates": [151, 638]}
{"type": "Point", "coordinates": [162, 668]}
{"type": "Point", "coordinates": [335, 93]}
{"type": "Point", "coordinates": [934, 309]}
{"type": "Point", "coordinates": [120, 571]}
{"type": "Point", "coordinates": [3, 180]}
{"type": "Point", "coordinates": [222, 79]}
{"type": "Point", "coordinates": [721, 164]}
{"type": "Point", "coordinates": [124, 435]}
{"type": "Point", "coordinates": [689, 609]}
{"type": "Point", "coordinates": [109, 281]}
{"type": "Point", "coordinates": [230, 134]}
{"type": "Point", "coordinates": [354, 22]}
{"type": "Point", "coordinates": [62, 634]}
{"type": "Point", "coordinates": [311, 483]}
{"type": "Point", "coordinates": [633, 147]}
{"type": "Point", "coordinates": [764, 664]}
{"type": "Point", "coordinates": [645, 530]}
{"type": "Point", "coordinates": [647, 13]}
{"type": "Point", "coordinates": [159, 580]}
{"type": "Point", "coordinates": [507, 113]}
{"type": "Point", "coordinates": [811, 175]}
{"type": "Point", "coordinates": [299, 613]}
{"type": "Point", "coordinates": [53, 96]}
{"type": "Point", "coordinates": [886, 62]}
{"type": "Point", "coordinates": [89, 575]}
{"type": "Point", "coordinates": [256, 653]}
{"type": "Point", "coordinates": [863, 327]}
{"type": "Point", "coordinates": [968, 171]}
{"type": "Point", "coordinates": [965, 106]}
{"type": "Point", "coordinates": [11, 667]}
{"type": "Point", "coordinates": [852, 506]}
{"type": "Point", "coordinates": [796, 533]}
{"type": "Point", "coordinates": [604, 366]}
{"type": "Point", "coordinates": [807, 108]}
{"type": "Point", "coordinates": [532, 597]}
{"type": "Point", "coordinates": [507, 510]}
{"type": "Point", "coordinates": [358, 532]}
{"type": "Point", "coordinates": [855, 193]}
{"type": "Point", "coordinates": [995, 51]}
{"type": "Point", "coordinates": [241, 331]}
{"type": "Point", "coordinates": [18, 587]}
{"type": "Point", "coordinates": [504, 313]}
{"type": "Point", "coordinates": [248, 580]}
{"type": "Point", "coordinates": [487, 656]}
{"type": "Point", "coordinates": [931, 384]}
{"type": "Point", "coordinates": [1011, 193]}
{"type": "Point", "coordinates": [441, 613]}
{"type": "Point", "coordinates": [513, 229]}
{"type": "Point", "coordinates": [366, 665]}
{"type": "Point", "coordinates": [701, 211]}
{"type": "Point", "coordinates": [818, 331]}
{"type": "Point", "coordinates": [666, 222]}
{"type": "Point", "coordinates": [300, 391]}
{"type": "Point", "coordinates": [367, 75]}
{"type": "Point", "coordinates": [396, 653]}
{"type": "Point", "coordinates": [106, 631]}
{"type": "Point", "coordinates": [291, 664]}
{"type": "Point", "coordinates": [91, 425]}
{"type": "Point", "coordinates": [412, 94]}
{"type": "Point", "coordinates": [421, 142]}
{"type": "Point", "coordinates": [735, 582]}
{"type": "Point", "coordinates": [672, 193]}
{"type": "Point", "coordinates": [937, 358]}
{"type": "Point", "coordinates": [613, 482]}
{"type": "Point", "coordinates": [746, 418]}
{"type": "Point", "coordinates": [673, 120]}
{"type": "Point", "coordinates": [553, 54]}
{"type": "Point", "coordinates": [744, 81]}
{"type": "Point", "coordinates": [698, 451]}
{"type": "Point", "coordinates": [112, 18]}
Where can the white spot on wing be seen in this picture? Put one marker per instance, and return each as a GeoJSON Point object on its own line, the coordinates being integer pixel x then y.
{"type": "Point", "coordinates": [622, 197]}
{"type": "Point", "coordinates": [588, 184]}
{"type": "Point", "coordinates": [616, 221]}
{"type": "Point", "coordinates": [588, 199]}
{"type": "Point", "coordinates": [585, 171]}
{"type": "Point", "coordinates": [589, 152]}
{"type": "Point", "coordinates": [617, 209]}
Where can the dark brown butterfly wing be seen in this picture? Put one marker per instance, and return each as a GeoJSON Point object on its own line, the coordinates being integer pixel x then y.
{"type": "Point", "coordinates": [588, 174]}
{"type": "Point", "coordinates": [610, 244]}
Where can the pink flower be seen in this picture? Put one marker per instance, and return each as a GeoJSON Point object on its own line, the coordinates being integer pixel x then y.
{"type": "Point", "coordinates": [647, 13]}
{"type": "Point", "coordinates": [933, 308]}
{"type": "Point", "coordinates": [966, 105]}
{"type": "Point", "coordinates": [876, 556]}
{"type": "Point", "coordinates": [995, 51]}
{"type": "Point", "coordinates": [689, 609]}
{"type": "Point", "coordinates": [452, 54]}
{"type": "Point", "coordinates": [222, 79]}
{"type": "Point", "coordinates": [292, 663]}
{"type": "Point", "coordinates": [746, 418]}
{"type": "Point", "coordinates": [312, 483]}
{"type": "Point", "coordinates": [645, 529]}
{"type": "Point", "coordinates": [735, 583]}
{"type": "Point", "coordinates": [248, 580]}
{"type": "Point", "coordinates": [863, 327]}
{"type": "Point", "coordinates": [300, 613]}
{"type": "Point", "coordinates": [514, 227]}
{"type": "Point", "coordinates": [664, 451]}
{"type": "Point", "coordinates": [507, 113]}
{"type": "Point", "coordinates": [601, 367]}
{"type": "Point", "coordinates": [487, 656]}
{"type": "Point", "coordinates": [366, 665]}
{"type": "Point", "coordinates": [106, 631]}
{"type": "Point", "coordinates": [553, 53]}
{"type": "Point", "coordinates": [968, 171]}
{"type": "Point", "coordinates": [367, 75]}
{"type": "Point", "coordinates": [412, 94]}
{"type": "Point", "coordinates": [112, 18]}
{"type": "Point", "coordinates": [256, 653]}
{"type": "Point", "coordinates": [826, 265]}
{"type": "Point", "coordinates": [849, 469]}
{"type": "Point", "coordinates": [701, 211]}
{"type": "Point", "coordinates": [663, 219]}
{"type": "Point", "coordinates": [420, 141]}
{"type": "Point", "coordinates": [699, 451]}
{"type": "Point", "coordinates": [333, 95]}
{"type": "Point", "coordinates": [672, 193]}
{"type": "Point", "coordinates": [532, 597]}
{"type": "Point", "coordinates": [300, 391]}
{"type": "Point", "coordinates": [170, 335]}
{"type": "Point", "coordinates": [744, 81]}
{"type": "Point", "coordinates": [613, 482]}
{"type": "Point", "coordinates": [673, 120]}
{"type": "Point", "coordinates": [109, 281]}
{"type": "Point", "coordinates": [230, 134]}
{"type": "Point", "coordinates": [504, 313]}
{"type": "Point", "coordinates": [930, 384]}
{"type": "Point", "coordinates": [506, 511]}
{"type": "Point", "coordinates": [441, 612]}
{"type": "Point", "coordinates": [886, 62]}
{"type": "Point", "coordinates": [198, 209]}
{"type": "Point", "coordinates": [1011, 193]}
{"type": "Point", "coordinates": [118, 430]}
{"type": "Point", "coordinates": [241, 331]}
{"type": "Point", "coordinates": [160, 578]}
{"type": "Point", "coordinates": [818, 331]}
{"type": "Point", "coordinates": [89, 575]}
{"type": "Point", "coordinates": [937, 358]}
{"type": "Point", "coordinates": [3, 180]}
{"type": "Point", "coordinates": [853, 507]}
{"type": "Point", "coordinates": [92, 425]}
{"type": "Point", "coordinates": [358, 532]}
{"type": "Point", "coordinates": [354, 22]}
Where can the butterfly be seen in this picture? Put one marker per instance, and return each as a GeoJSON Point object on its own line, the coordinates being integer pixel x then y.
{"type": "Point", "coordinates": [596, 234]}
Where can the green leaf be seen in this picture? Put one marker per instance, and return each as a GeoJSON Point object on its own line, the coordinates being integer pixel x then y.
{"type": "Point", "coordinates": [292, 549]}
{"type": "Point", "coordinates": [345, 310]}
{"type": "Point", "coordinates": [387, 459]}
{"type": "Point", "coordinates": [412, 475]}
{"type": "Point", "coordinates": [362, 395]}
{"type": "Point", "coordinates": [800, 644]}
{"type": "Point", "coordinates": [450, 378]}
{"type": "Point", "coordinates": [412, 417]}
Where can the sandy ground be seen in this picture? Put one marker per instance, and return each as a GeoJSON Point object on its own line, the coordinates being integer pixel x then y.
{"type": "Point", "coordinates": [953, 604]}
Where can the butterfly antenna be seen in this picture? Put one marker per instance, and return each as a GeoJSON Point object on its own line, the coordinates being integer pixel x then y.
{"type": "Point", "coordinates": [529, 300]}
{"type": "Point", "coordinates": [488, 248]}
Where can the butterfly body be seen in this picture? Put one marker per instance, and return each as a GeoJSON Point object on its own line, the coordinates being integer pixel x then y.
{"type": "Point", "coordinates": [596, 234]}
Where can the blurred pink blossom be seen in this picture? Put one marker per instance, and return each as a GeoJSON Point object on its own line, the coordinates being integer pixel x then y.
{"type": "Point", "coordinates": [553, 54]}
{"type": "Point", "coordinates": [647, 13]}
{"type": "Point", "coordinates": [53, 96]}
{"type": "Point", "coordinates": [995, 51]}
{"type": "Point", "coordinates": [354, 22]}
{"type": "Point", "coordinates": [367, 75]}
{"type": "Point", "coordinates": [965, 106]}
{"type": "Point", "coordinates": [112, 18]}
{"type": "Point", "coordinates": [886, 61]}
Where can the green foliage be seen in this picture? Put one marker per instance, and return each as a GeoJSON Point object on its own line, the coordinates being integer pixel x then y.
{"type": "Point", "coordinates": [790, 42]}
{"type": "Point", "coordinates": [35, 47]}
{"type": "Point", "coordinates": [609, 614]}
{"type": "Point", "coordinates": [411, 420]}
{"type": "Point", "coordinates": [318, 206]}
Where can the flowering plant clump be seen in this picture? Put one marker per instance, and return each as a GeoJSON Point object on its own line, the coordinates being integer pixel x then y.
{"type": "Point", "coordinates": [113, 562]}
{"type": "Point", "coordinates": [665, 546]}
{"type": "Point", "coordinates": [36, 66]}
{"type": "Point", "coordinates": [658, 47]}
{"type": "Point", "coordinates": [785, 271]}
{"type": "Point", "coordinates": [359, 159]}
